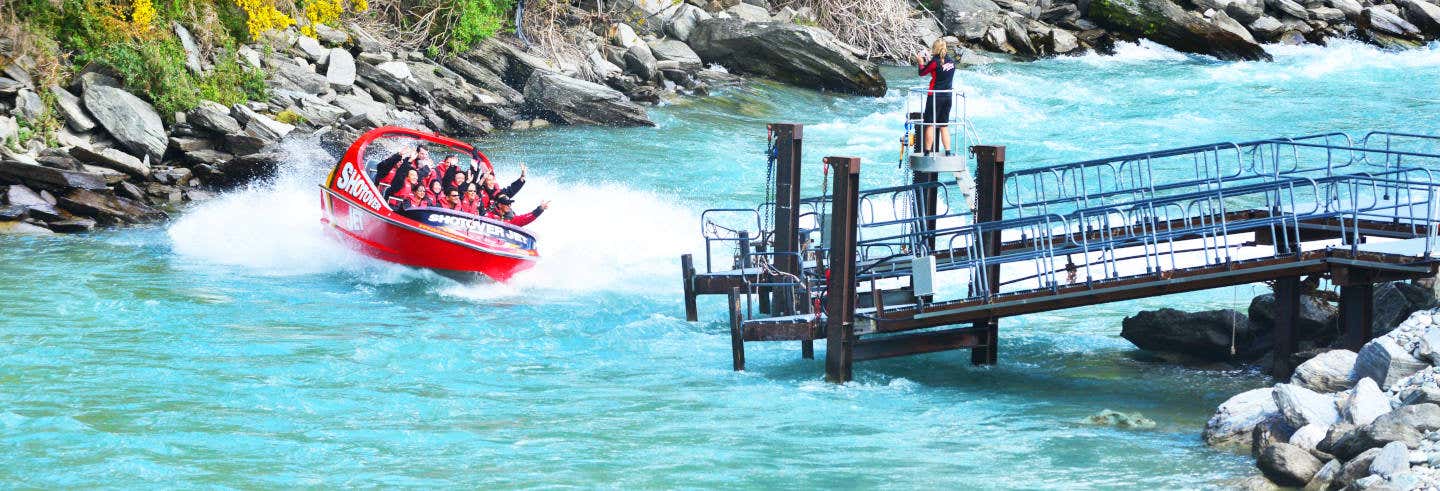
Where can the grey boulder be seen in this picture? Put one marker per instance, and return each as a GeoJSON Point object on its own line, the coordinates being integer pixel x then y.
{"type": "Point", "coordinates": [793, 53]}
{"type": "Point", "coordinates": [1326, 372]}
{"type": "Point", "coordinates": [1300, 406]}
{"type": "Point", "coordinates": [1386, 362]}
{"type": "Point", "coordinates": [1237, 416]}
{"type": "Point", "coordinates": [569, 100]}
{"type": "Point", "coordinates": [133, 122]}
{"type": "Point", "coordinates": [71, 110]}
{"type": "Point", "coordinates": [111, 158]}
{"type": "Point", "coordinates": [1287, 465]}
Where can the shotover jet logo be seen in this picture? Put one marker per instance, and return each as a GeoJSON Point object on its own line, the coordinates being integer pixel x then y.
{"type": "Point", "coordinates": [351, 183]}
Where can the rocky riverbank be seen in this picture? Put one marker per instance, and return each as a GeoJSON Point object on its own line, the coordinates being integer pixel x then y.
{"type": "Point", "coordinates": [116, 160]}
{"type": "Point", "coordinates": [1346, 420]}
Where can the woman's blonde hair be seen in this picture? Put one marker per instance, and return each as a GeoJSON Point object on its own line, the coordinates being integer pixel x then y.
{"type": "Point", "coordinates": [939, 48]}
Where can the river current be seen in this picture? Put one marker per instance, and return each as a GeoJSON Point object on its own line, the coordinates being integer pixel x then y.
{"type": "Point", "coordinates": [235, 346]}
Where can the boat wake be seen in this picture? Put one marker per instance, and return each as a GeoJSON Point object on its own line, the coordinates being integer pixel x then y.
{"type": "Point", "coordinates": [595, 236]}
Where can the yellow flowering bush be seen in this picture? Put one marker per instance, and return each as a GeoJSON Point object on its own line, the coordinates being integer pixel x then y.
{"type": "Point", "coordinates": [263, 16]}
{"type": "Point", "coordinates": [143, 14]}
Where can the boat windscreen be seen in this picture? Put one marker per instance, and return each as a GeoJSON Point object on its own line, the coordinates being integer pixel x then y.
{"type": "Point", "coordinates": [386, 155]}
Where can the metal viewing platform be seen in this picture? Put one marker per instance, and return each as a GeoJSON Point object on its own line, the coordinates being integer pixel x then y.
{"type": "Point", "coordinates": [910, 269]}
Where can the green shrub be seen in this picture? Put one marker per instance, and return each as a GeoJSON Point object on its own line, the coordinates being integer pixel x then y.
{"type": "Point", "coordinates": [477, 20]}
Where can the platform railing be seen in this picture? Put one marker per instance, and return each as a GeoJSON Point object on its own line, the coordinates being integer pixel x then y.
{"type": "Point", "coordinates": [729, 225]}
{"type": "Point", "coordinates": [1152, 230]}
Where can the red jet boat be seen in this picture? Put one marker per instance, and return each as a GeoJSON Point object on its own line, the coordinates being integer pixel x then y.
{"type": "Point", "coordinates": [451, 242]}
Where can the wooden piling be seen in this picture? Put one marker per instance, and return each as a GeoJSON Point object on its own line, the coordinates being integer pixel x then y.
{"type": "Point", "coordinates": [737, 331]}
{"type": "Point", "coordinates": [1287, 314]}
{"type": "Point", "coordinates": [1357, 307]}
{"type": "Point", "coordinates": [990, 205]}
{"type": "Point", "coordinates": [840, 291]}
{"type": "Point", "coordinates": [687, 276]}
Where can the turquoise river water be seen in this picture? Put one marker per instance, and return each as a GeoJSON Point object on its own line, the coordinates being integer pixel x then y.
{"type": "Point", "coordinates": [235, 346]}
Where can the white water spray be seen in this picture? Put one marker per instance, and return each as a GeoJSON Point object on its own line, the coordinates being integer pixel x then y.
{"type": "Point", "coordinates": [595, 236]}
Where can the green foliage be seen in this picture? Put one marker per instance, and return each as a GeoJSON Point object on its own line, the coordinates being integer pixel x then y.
{"type": "Point", "coordinates": [150, 61]}
{"type": "Point", "coordinates": [477, 20]}
{"type": "Point", "coordinates": [289, 117]}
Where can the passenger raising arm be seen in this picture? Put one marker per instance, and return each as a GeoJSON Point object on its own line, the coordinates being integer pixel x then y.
{"type": "Point", "coordinates": [502, 211]}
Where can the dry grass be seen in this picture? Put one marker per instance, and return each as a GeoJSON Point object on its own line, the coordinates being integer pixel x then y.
{"type": "Point", "coordinates": [882, 28]}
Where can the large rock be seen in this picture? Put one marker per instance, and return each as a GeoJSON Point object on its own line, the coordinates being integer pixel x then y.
{"type": "Point", "coordinates": [1308, 437]}
{"type": "Point", "coordinates": [1267, 27]}
{"type": "Point", "coordinates": [289, 74]}
{"type": "Point", "coordinates": [39, 176]}
{"type": "Point", "coordinates": [1395, 301]}
{"type": "Point", "coordinates": [1062, 41]}
{"type": "Point", "coordinates": [640, 62]}
{"type": "Point", "coordinates": [1223, 21]}
{"type": "Point", "coordinates": [1325, 476]}
{"type": "Point", "coordinates": [1300, 406]}
{"type": "Point", "coordinates": [213, 116]}
{"type": "Point", "coordinates": [802, 55]}
{"type": "Point", "coordinates": [682, 22]}
{"type": "Point", "coordinates": [1366, 403]}
{"type": "Point", "coordinates": [1424, 15]}
{"type": "Point", "coordinates": [1326, 372]}
{"type": "Point", "coordinates": [108, 208]}
{"type": "Point", "coordinates": [1386, 362]}
{"type": "Point", "coordinates": [261, 126]}
{"type": "Point", "coordinates": [246, 168]}
{"type": "Point", "coordinates": [1206, 335]}
{"type": "Point", "coordinates": [1351, 8]}
{"type": "Point", "coordinates": [1393, 459]}
{"type": "Point", "coordinates": [133, 122]}
{"type": "Point", "coordinates": [1288, 7]}
{"type": "Point", "coordinates": [968, 18]}
{"type": "Point", "coordinates": [749, 13]}
{"type": "Point", "coordinates": [1288, 465]}
{"type": "Point", "coordinates": [570, 100]}
{"type": "Point", "coordinates": [672, 50]}
{"type": "Point", "coordinates": [25, 198]}
{"type": "Point", "coordinates": [1389, 29]}
{"type": "Point", "coordinates": [1166, 23]}
{"type": "Point", "coordinates": [311, 49]}
{"type": "Point", "coordinates": [1357, 467]}
{"type": "Point", "coordinates": [28, 105]}
{"type": "Point", "coordinates": [1237, 416]}
{"type": "Point", "coordinates": [192, 50]}
{"type": "Point", "coordinates": [110, 158]}
{"type": "Point", "coordinates": [340, 70]}
{"type": "Point", "coordinates": [1407, 425]}
{"type": "Point", "coordinates": [1246, 11]}
{"type": "Point", "coordinates": [71, 110]}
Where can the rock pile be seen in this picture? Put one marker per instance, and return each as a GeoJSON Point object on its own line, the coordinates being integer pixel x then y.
{"type": "Point", "coordinates": [1367, 420]}
{"type": "Point", "coordinates": [1226, 29]}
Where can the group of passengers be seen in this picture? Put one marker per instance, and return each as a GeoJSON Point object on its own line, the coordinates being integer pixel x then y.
{"type": "Point", "coordinates": [411, 179]}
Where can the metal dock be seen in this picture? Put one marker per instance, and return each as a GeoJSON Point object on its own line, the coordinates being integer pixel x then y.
{"type": "Point", "coordinates": [909, 269]}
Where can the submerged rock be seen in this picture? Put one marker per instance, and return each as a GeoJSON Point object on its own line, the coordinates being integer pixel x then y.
{"type": "Point", "coordinates": [803, 55]}
{"type": "Point", "coordinates": [1118, 419]}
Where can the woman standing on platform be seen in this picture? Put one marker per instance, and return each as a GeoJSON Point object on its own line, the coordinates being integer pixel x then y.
{"type": "Point", "coordinates": [941, 69]}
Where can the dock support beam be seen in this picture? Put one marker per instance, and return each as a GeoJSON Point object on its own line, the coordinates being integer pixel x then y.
{"type": "Point", "coordinates": [990, 205]}
{"type": "Point", "coordinates": [687, 276]}
{"type": "Point", "coordinates": [788, 142]}
{"type": "Point", "coordinates": [840, 285]}
{"type": "Point", "coordinates": [1357, 307]}
{"type": "Point", "coordinates": [1287, 313]}
{"type": "Point", "coordinates": [737, 331]}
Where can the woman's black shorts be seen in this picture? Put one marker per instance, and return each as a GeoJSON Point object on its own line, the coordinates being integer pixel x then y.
{"type": "Point", "coordinates": [937, 109]}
